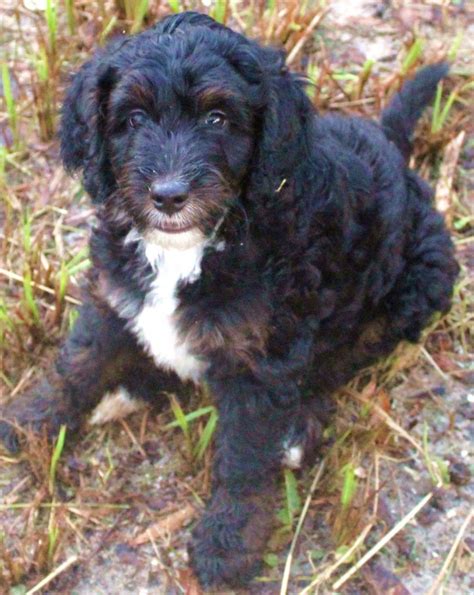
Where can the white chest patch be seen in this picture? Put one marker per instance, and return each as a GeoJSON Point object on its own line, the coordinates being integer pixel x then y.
{"type": "Point", "coordinates": [155, 326]}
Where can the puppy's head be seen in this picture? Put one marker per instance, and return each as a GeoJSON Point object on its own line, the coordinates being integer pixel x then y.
{"type": "Point", "coordinates": [169, 126]}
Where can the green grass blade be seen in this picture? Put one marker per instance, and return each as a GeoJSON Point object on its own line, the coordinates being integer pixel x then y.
{"type": "Point", "coordinates": [219, 11]}
{"type": "Point", "coordinates": [29, 297]}
{"type": "Point", "coordinates": [413, 55]}
{"type": "Point", "coordinates": [447, 108]}
{"type": "Point", "coordinates": [71, 17]}
{"type": "Point", "coordinates": [436, 108]}
{"type": "Point", "coordinates": [139, 15]}
{"type": "Point", "coordinates": [57, 451]}
{"type": "Point", "coordinates": [175, 5]}
{"type": "Point", "coordinates": [107, 29]}
{"type": "Point", "coordinates": [180, 417]}
{"type": "Point", "coordinates": [10, 103]}
{"type": "Point", "coordinates": [349, 486]}
{"type": "Point", "coordinates": [453, 50]}
{"type": "Point", "coordinates": [206, 435]}
{"type": "Point", "coordinates": [191, 416]}
{"type": "Point", "coordinates": [63, 282]}
{"type": "Point", "coordinates": [73, 316]}
{"type": "Point", "coordinates": [293, 501]}
{"type": "Point", "coordinates": [52, 24]}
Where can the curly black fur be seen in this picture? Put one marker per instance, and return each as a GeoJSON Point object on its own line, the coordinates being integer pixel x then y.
{"type": "Point", "coordinates": [321, 252]}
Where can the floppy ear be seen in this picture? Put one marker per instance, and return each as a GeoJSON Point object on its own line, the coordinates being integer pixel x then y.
{"type": "Point", "coordinates": [83, 121]}
{"type": "Point", "coordinates": [283, 138]}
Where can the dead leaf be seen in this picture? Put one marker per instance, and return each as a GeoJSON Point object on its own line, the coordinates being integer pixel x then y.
{"type": "Point", "coordinates": [166, 525]}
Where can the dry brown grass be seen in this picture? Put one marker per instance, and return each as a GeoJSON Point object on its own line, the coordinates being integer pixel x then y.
{"type": "Point", "coordinates": [97, 493]}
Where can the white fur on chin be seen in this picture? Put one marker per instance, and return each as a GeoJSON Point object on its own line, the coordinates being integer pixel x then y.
{"type": "Point", "coordinates": [176, 241]}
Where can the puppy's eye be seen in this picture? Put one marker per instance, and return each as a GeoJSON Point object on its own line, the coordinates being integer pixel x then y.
{"type": "Point", "coordinates": [136, 118]}
{"type": "Point", "coordinates": [215, 118]}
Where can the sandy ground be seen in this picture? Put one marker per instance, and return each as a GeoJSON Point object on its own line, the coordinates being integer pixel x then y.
{"type": "Point", "coordinates": [149, 481]}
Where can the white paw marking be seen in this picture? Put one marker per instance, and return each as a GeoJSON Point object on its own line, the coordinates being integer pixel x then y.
{"type": "Point", "coordinates": [292, 455]}
{"type": "Point", "coordinates": [114, 405]}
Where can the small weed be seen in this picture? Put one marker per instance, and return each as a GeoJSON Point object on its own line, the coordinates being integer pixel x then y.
{"type": "Point", "coordinates": [195, 447]}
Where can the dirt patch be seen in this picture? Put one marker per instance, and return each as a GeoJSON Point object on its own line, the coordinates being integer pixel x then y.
{"type": "Point", "coordinates": [400, 435]}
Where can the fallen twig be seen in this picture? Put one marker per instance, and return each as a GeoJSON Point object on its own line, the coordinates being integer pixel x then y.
{"type": "Point", "coordinates": [385, 539]}
{"type": "Point", "coordinates": [168, 524]}
{"type": "Point", "coordinates": [52, 575]}
{"type": "Point", "coordinates": [289, 559]}
{"type": "Point", "coordinates": [304, 38]}
{"type": "Point", "coordinates": [451, 554]}
{"type": "Point", "coordinates": [15, 277]}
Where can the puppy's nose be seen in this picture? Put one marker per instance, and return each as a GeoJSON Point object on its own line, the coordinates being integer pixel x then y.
{"type": "Point", "coordinates": [169, 197]}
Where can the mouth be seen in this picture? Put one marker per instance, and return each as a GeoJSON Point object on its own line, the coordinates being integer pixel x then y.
{"type": "Point", "coordinates": [175, 229]}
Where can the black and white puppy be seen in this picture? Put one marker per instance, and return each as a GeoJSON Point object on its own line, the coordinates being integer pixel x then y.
{"type": "Point", "coordinates": [243, 242]}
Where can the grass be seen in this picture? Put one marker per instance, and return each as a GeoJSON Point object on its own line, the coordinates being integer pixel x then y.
{"type": "Point", "coordinates": [11, 109]}
{"type": "Point", "coordinates": [78, 504]}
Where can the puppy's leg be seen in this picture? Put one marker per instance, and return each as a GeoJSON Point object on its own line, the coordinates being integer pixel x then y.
{"type": "Point", "coordinates": [254, 420]}
{"type": "Point", "coordinates": [92, 361]}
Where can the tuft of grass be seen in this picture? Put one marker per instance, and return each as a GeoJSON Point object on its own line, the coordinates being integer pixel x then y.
{"type": "Point", "coordinates": [196, 447]}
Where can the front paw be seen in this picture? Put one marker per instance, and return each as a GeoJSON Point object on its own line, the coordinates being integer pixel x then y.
{"type": "Point", "coordinates": [229, 541]}
{"type": "Point", "coordinates": [40, 411]}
